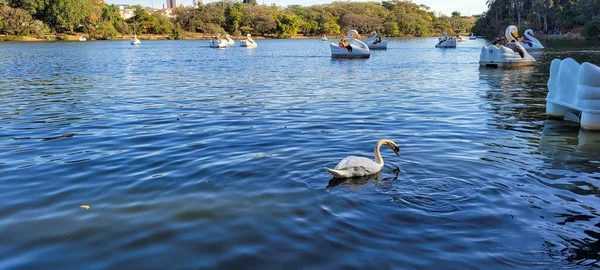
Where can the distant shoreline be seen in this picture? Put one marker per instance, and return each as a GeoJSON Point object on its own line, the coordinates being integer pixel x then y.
{"type": "Point", "coordinates": [186, 36]}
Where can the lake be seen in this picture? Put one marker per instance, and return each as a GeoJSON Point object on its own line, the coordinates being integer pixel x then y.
{"type": "Point", "coordinates": [191, 157]}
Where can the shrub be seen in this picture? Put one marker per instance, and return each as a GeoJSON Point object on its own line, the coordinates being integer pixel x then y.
{"type": "Point", "coordinates": [104, 30]}
{"type": "Point", "coordinates": [591, 29]}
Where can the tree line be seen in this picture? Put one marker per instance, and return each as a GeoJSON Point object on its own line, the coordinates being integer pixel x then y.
{"type": "Point", "coordinates": [547, 16]}
{"type": "Point", "coordinates": [103, 21]}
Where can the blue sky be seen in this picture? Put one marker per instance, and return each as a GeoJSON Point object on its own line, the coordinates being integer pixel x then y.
{"type": "Point", "coordinates": [465, 7]}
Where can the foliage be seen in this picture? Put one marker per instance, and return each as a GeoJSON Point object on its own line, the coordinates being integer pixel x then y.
{"type": "Point", "coordinates": [104, 30]}
{"type": "Point", "coordinates": [177, 32]}
{"type": "Point", "coordinates": [592, 28]}
{"type": "Point", "coordinates": [15, 21]}
{"type": "Point", "coordinates": [287, 25]}
{"type": "Point", "coordinates": [66, 14]}
{"type": "Point", "coordinates": [542, 15]}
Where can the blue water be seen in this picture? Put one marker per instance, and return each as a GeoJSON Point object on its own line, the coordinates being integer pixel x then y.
{"type": "Point", "coordinates": [191, 157]}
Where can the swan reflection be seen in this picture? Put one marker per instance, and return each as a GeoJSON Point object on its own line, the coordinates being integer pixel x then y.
{"type": "Point", "coordinates": [357, 183]}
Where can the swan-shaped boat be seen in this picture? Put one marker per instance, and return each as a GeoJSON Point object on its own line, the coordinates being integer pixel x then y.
{"type": "Point", "coordinates": [446, 41]}
{"type": "Point", "coordinates": [501, 56]}
{"type": "Point", "coordinates": [218, 42]}
{"type": "Point", "coordinates": [472, 37]}
{"type": "Point", "coordinates": [574, 89]}
{"type": "Point", "coordinates": [82, 38]}
{"type": "Point", "coordinates": [135, 41]}
{"type": "Point", "coordinates": [324, 38]}
{"type": "Point", "coordinates": [359, 166]}
{"type": "Point", "coordinates": [375, 43]}
{"type": "Point", "coordinates": [531, 43]}
{"type": "Point", "coordinates": [230, 41]}
{"type": "Point", "coordinates": [459, 38]}
{"type": "Point", "coordinates": [354, 48]}
{"type": "Point", "coordinates": [248, 42]}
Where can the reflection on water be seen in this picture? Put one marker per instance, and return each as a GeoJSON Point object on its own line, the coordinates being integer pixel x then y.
{"type": "Point", "coordinates": [192, 157]}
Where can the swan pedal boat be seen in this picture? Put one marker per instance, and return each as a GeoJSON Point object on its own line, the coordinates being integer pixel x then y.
{"type": "Point", "coordinates": [504, 57]}
{"type": "Point", "coordinates": [574, 89]}
{"type": "Point", "coordinates": [532, 43]}
{"type": "Point", "coordinates": [230, 41]}
{"type": "Point", "coordinates": [135, 41]}
{"type": "Point", "coordinates": [218, 42]}
{"type": "Point", "coordinates": [373, 44]}
{"type": "Point", "coordinates": [82, 38]}
{"type": "Point", "coordinates": [446, 42]}
{"type": "Point", "coordinates": [472, 37]}
{"type": "Point", "coordinates": [359, 48]}
{"type": "Point", "coordinates": [249, 42]}
{"type": "Point", "coordinates": [324, 38]}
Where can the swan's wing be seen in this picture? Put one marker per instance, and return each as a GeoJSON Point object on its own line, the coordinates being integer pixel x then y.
{"type": "Point", "coordinates": [352, 162]}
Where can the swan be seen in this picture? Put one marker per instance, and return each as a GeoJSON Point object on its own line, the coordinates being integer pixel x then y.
{"type": "Point", "coordinates": [324, 38]}
{"type": "Point", "coordinates": [532, 43]}
{"type": "Point", "coordinates": [359, 166]}
{"type": "Point", "coordinates": [230, 41]}
{"type": "Point", "coordinates": [356, 48]}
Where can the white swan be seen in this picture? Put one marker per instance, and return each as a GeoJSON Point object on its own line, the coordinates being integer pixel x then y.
{"type": "Point", "coordinates": [249, 42]}
{"type": "Point", "coordinates": [324, 38]}
{"type": "Point", "coordinates": [135, 40]}
{"type": "Point", "coordinates": [359, 166]}
{"type": "Point", "coordinates": [501, 56]}
{"type": "Point", "coordinates": [354, 49]}
{"type": "Point", "coordinates": [446, 41]}
{"type": "Point", "coordinates": [218, 42]}
{"type": "Point", "coordinates": [375, 43]}
{"type": "Point", "coordinates": [531, 43]}
{"type": "Point", "coordinates": [230, 41]}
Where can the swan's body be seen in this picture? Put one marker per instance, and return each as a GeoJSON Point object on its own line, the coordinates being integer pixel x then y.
{"type": "Point", "coordinates": [359, 166]}
{"type": "Point", "coordinates": [230, 41]}
{"type": "Point", "coordinates": [135, 41]}
{"type": "Point", "coordinates": [218, 42]}
{"type": "Point", "coordinates": [501, 56]}
{"type": "Point", "coordinates": [375, 43]}
{"type": "Point", "coordinates": [446, 41]}
{"type": "Point", "coordinates": [356, 48]}
{"type": "Point", "coordinates": [532, 43]}
{"type": "Point", "coordinates": [249, 42]}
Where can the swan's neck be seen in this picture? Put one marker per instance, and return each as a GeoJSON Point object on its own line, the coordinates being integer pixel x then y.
{"type": "Point", "coordinates": [378, 158]}
{"type": "Point", "coordinates": [530, 37]}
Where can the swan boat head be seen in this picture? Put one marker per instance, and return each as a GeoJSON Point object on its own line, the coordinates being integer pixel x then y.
{"type": "Point", "coordinates": [511, 33]}
{"type": "Point", "coordinates": [529, 32]}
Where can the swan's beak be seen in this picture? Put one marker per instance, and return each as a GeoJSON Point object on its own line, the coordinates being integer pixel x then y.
{"type": "Point", "coordinates": [532, 34]}
{"type": "Point", "coordinates": [397, 150]}
{"type": "Point", "coordinates": [515, 34]}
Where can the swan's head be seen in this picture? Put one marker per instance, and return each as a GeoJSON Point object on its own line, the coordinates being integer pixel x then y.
{"type": "Point", "coordinates": [511, 32]}
{"type": "Point", "coordinates": [353, 33]}
{"type": "Point", "coordinates": [248, 35]}
{"type": "Point", "coordinates": [373, 33]}
{"type": "Point", "coordinates": [218, 34]}
{"type": "Point", "coordinates": [392, 145]}
{"type": "Point", "coordinates": [445, 33]}
{"type": "Point", "coordinates": [529, 32]}
{"type": "Point", "coordinates": [227, 35]}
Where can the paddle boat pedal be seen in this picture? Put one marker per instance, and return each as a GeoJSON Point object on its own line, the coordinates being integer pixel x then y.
{"type": "Point", "coordinates": [574, 92]}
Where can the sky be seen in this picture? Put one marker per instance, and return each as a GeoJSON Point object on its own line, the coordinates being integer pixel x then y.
{"type": "Point", "coordinates": [465, 7]}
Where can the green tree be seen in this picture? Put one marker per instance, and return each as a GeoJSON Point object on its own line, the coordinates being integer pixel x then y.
{"type": "Point", "coordinates": [103, 31]}
{"type": "Point", "coordinates": [15, 21]}
{"type": "Point", "coordinates": [287, 25]}
{"type": "Point", "coordinates": [66, 14]}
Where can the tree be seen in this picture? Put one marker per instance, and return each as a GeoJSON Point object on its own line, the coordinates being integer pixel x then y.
{"type": "Point", "coordinates": [287, 25]}
{"type": "Point", "coordinates": [455, 15]}
{"type": "Point", "coordinates": [15, 21]}
{"type": "Point", "coordinates": [66, 14]}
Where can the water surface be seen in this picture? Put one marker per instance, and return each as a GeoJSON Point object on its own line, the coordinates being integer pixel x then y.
{"type": "Point", "coordinates": [192, 157]}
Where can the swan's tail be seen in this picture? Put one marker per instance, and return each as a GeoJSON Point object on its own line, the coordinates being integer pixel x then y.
{"type": "Point", "coordinates": [335, 173]}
